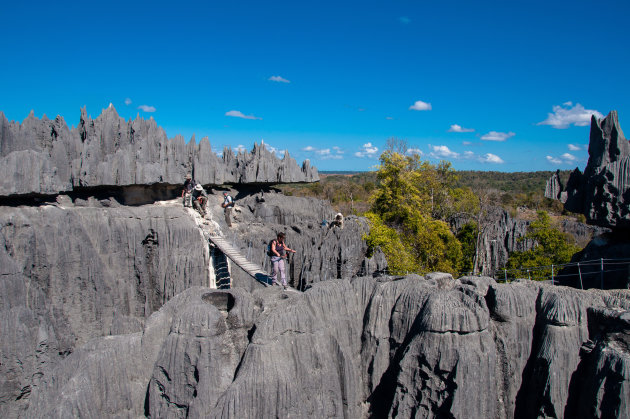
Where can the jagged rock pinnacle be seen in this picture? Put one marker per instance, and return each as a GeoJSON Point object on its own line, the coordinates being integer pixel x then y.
{"type": "Point", "coordinates": [109, 151]}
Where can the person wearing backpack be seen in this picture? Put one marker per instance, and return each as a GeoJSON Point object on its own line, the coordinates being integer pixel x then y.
{"type": "Point", "coordinates": [199, 199]}
{"type": "Point", "coordinates": [278, 252]}
{"type": "Point", "coordinates": [228, 204]}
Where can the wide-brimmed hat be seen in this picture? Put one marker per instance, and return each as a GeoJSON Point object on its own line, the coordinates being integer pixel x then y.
{"type": "Point", "coordinates": [198, 187]}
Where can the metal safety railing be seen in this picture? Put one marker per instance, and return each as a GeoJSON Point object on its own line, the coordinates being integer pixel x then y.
{"type": "Point", "coordinates": [598, 268]}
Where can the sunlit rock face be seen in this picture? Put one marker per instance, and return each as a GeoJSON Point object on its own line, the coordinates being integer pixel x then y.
{"type": "Point", "coordinates": [365, 347]}
{"type": "Point", "coordinates": [45, 157]}
{"type": "Point", "coordinates": [602, 192]}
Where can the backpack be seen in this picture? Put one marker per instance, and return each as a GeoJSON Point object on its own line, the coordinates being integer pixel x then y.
{"type": "Point", "coordinates": [269, 251]}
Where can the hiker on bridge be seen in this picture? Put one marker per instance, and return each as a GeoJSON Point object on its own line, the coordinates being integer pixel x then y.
{"type": "Point", "coordinates": [278, 252]}
{"type": "Point", "coordinates": [189, 185]}
{"type": "Point", "coordinates": [228, 204]}
{"type": "Point", "coordinates": [200, 198]}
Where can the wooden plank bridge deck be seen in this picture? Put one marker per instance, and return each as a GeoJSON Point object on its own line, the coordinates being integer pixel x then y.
{"type": "Point", "coordinates": [251, 268]}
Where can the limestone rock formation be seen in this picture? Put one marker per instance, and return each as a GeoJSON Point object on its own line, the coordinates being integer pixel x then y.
{"type": "Point", "coordinates": [602, 192]}
{"type": "Point", "coordinates": [78, 269]}
{"type": "Point", "coordinates": [503, 234]}
{"type": "Point", "coordinates": [388, 347]}
{"type": "Point", "coordinates": [45, 157]}
{"type": "Point", "coordinates": [554, 188]}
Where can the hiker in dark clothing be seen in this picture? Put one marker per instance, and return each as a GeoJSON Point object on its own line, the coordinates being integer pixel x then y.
{"type": "Point", "coordinates": [200, 198]}
{"type": "Point", "coordinates": [189, 184]}
{"type": "Point", "coordinates": [337, 222]}
{"type": "Point", "coordinates": [227, 205]}
{"type": "Point", "coordinates": [279, 251]}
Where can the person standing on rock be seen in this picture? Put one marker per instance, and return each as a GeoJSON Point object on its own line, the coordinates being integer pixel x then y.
{"type": "Point", "coordinates": [228, 204]}
{"type": "Point", "coordinates": [200, 198]}
{"type": "Point", "coordinates": [189, 184]}
{"type": "Point", "coordinates": [279, 251]}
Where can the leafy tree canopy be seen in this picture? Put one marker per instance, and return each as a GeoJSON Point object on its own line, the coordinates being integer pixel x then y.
{"type": "Point", "coordinates": [410, 204]}
{"type": "Point", "coordinates": [552, 246]}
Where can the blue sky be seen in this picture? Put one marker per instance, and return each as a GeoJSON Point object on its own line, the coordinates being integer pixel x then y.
{"type": "Point", "coordinates": [496, 85]}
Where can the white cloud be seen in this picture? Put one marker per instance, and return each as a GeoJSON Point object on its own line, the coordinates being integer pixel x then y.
{"type": "Point", "coordinates": [368, 150]}
{"type": "Point", "coordinates": [325, 153]}
{"type": "Point", "coordinates": [127, 101]}
{"type": "Point", "coordinates": [566, 158]}
{"type": "Point", "coordinates": [389, 118]}
{"type": "Point", "coordinates": [240, 148]}
{"type": "Point", "coordinates": [239, 114]}
{"type": "Point", "coordinates": [497, 136]}
{"type": "Point", "coordinates": [279, 79]}
{"type": "Point", "coordinates": [146, 108]}
{"type": "Point", "coordinates": [466, 143]}
{"type": "Point", "coordinates": [469, 155]}
{"type": "Point", "coordinates": [491, 158]}
{"type": "Point", "coordinates": [404, 19]}
{"type": "Point", "coordinates": [420, 106]}
{"type": "Point", "coordinates": [412, 151]}
{"type": "Point", "coordinates": [442, 152]}
{"type": "Point", "coordinates": [574, 147]}
{"type": "Point", "coordinates": [458, 128]}
{"type": "Point", "coordinates": [565, 115]}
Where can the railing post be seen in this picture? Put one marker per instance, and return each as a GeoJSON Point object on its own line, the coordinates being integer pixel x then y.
{"type": "Point", "coordinates": [580, 274]}
{"type": "Point", "coordinates": [552, 274]}
{"type": "Point", "coordinates": [601, 273]}
{"type": "Point", "coordinates": [528, 275]}
{"type": "Point", "coordinates": [505, 274]}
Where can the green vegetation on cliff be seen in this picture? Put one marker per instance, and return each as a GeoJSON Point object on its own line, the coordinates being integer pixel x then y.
{"type": "Point", "coordinates": [410, 206]}
{"type": "Point", "coordinates": [409, 203]}
{"type": "Point", "coordinates": [552, 246]}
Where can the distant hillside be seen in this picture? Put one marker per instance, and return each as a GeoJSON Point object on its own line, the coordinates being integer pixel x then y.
{"type": "Point", "coordinates": [349, 191]}
{"type": "Point", "coordinates": [515, 182]}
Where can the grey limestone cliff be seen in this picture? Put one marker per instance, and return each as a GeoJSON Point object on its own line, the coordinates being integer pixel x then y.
{"type": "Point", "coordinates": [503, 234]}
{"type": "Point", "coordinates": [74, 270]}
{"type": "Point", "coordinates": [45, 157]}
{"type": "Point", "coordinates": [602, 192]}
{"type": "Point", "coordinates": [389, 347]}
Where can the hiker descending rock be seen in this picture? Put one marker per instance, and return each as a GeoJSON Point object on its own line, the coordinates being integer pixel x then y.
{"type": "Point", "coordinates": [200, 198]}
{"type": "Point", "coordinates": [228, 204]}
{"type": "Point", "coordinates": [189, 185]}
{"type": "Point", "coordinates": [278, 252]}
{"type": "Point", "coordinates": [337, 222]}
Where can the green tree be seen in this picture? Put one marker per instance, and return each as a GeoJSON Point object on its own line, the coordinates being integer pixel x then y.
{"type": "Point", "coordinates": [467, 236]}
{"type": "Point", "coordinates": [552, 246]}
{"type": "Point", "coordinates": [409, 206]}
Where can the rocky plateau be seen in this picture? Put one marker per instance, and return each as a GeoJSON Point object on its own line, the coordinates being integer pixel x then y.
{"type": "Point", "coordinates": [113, 303]}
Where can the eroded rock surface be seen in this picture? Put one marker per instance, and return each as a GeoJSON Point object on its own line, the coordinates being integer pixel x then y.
{"type": "Point", "coordinates": [388, 347]}
{"type": "Point", "coordinates": [602, 192]}
{"type": "Point", "coordinates": [45, 157]}
{"type": "Point", "coordinates": [75, 270]}
{"type": "Point", "coordinates": [503, 234]}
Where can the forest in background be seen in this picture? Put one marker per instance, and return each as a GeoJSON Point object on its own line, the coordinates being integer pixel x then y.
{"type": "Point", "coordinates": [409, 202]}
{"type": "Point", "coordinates": [349, 192]}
